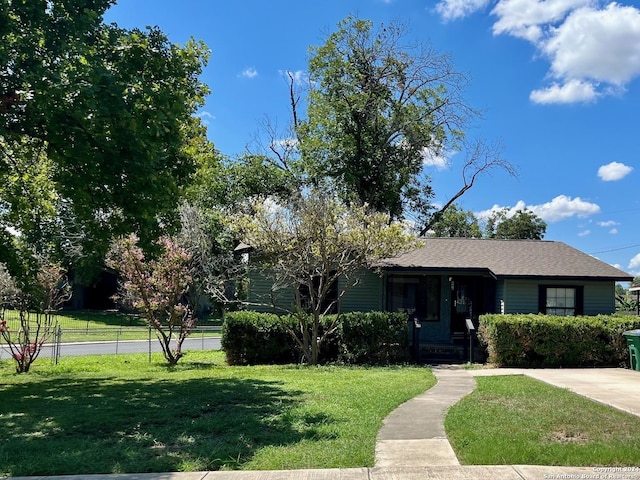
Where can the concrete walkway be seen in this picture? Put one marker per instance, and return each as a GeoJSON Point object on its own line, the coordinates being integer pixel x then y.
{"type": "Point", "coordinates": [412, 444]}
{"type": "Point", "coordinates": [413, 435]}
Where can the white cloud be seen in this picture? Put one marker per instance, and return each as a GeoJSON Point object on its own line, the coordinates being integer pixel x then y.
{"type": "Point", "coordinates": [634, 263]}
{"type": "Point", "coordinates": [249, 73]}
{"type": "Point", "coordinates": [288, 144]}
{"type": "Point", "coordinates": [438, 161]}
{"type": "Point", "coordinates": [205, 117]}
{"type": "Point", "coordinates": [526, 18]}
{"type": "Point", "coordinates": [602, 45]}
{"type": "Point", "coordinates": [453, 9]}
{"type": "Point", "coordinates": [300, 77]}
{"type": "Point", "coordinates": [608, 223]}
{"type": "Point", "coordinates": [571, 92]}
{"type": "Point", "coordinates": [563, 207]}
{"type": "Point", "coordinates": [613, 231]}
{"type": "Point", "coordinates": [485, 214]}
{"type": "Point", "coordinates": [584, 233]}
{"type": "Point", "coordinates": [593, 50]}
{"type": "Point", "coordinates": [614, 171]}
{"type": "Point", "coordinates": [559, 208]}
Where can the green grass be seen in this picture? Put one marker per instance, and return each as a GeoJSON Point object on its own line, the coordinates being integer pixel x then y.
{"type": "Point", "coordinates": [121, 414]}
{"type": "Point", "coordinates": [516, 420]}
{"type": "Point", "coordinates": [86, 319]}
{"type": "Point", "coordinates": [122, 334]}
{"type": "Point", "coordinates": [98, 319]}
{"type": "Point", "coordinates": [97, 326]}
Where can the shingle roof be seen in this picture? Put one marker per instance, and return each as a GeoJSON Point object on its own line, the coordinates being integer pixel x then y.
{"type": "Point", "coordinates": [521, 258]}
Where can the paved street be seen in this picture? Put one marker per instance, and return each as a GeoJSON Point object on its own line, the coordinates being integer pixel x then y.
{"type": "Point", "coordinates": [120, 347]}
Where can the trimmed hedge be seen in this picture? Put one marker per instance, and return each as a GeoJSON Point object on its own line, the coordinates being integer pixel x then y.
{"type": "Point", "coordinates": [252, 338]}
{"type": "Point", "coordinates": [371, 338]}
{"type": "Point", "coordinates": [527, 340]}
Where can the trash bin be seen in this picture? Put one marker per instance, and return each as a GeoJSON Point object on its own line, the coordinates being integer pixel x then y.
{"type": "Point", "coordinates": [633, 342]}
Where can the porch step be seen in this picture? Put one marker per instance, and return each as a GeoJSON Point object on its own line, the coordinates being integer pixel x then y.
{"type": "Point", "coordinates": [437, 353]}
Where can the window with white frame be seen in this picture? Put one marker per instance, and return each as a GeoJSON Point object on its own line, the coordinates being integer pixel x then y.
{"type": "Point", "coordinates": [561, 301]}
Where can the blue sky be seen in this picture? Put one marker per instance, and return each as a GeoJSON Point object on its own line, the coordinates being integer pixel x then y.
{"type": "Point", "coordinates": [558, 82]}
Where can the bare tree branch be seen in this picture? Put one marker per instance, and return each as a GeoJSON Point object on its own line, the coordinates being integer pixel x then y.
{"type": "Point", "coordinates": [482, 159]}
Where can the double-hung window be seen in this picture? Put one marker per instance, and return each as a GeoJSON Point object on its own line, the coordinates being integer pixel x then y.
{"type": "Point", "coordinates": [561, 300]}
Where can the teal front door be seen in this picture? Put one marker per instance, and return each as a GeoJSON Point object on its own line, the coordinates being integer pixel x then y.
{"type": "Point", "coordinates": [436, 328]}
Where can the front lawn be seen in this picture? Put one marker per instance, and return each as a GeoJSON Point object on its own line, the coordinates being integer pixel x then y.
{"type": "Point", "coordinates": [115, 414]}
{"type": "Point", "coordinates": [516, 420]}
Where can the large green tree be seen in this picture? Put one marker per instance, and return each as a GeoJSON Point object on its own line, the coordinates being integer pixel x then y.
{"type": "Point", "coordinates": [109, 113]}
{"type": "Point", "coordinates": [522, 225]}
{"type": "Point", "coordinates": [456, 222]}
{"type": "Point", "coordinates": [377, 108]}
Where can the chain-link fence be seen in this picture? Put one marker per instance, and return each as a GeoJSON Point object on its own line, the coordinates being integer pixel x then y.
{"type": "Point", "coordinates": [116, 340]}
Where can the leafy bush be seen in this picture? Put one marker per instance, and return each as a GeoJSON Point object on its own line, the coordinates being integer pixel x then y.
{"type": "Point", "coordinates": [373, 338]}
{"type": "Point", "coordinates": [252, 338]}
{"type": "Point", "coordinates": [528, 340]}
{"type": "Point", "coordinates": [39, 296]}
{"type": "Point", "coordinates": [158, 288]}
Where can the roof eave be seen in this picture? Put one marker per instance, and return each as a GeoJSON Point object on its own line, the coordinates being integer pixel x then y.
{"type": "Point", "coordinates": [480, 271]}
{"type": "Point", "coordinates": [607, 278]}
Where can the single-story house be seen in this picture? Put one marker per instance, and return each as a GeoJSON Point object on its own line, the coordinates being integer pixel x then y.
{"type": "Point", "coordinates": [449, 280]}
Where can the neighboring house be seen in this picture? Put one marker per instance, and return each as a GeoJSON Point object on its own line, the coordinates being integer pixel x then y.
{"type": "Point", "coordinates": [635, 288]}
{"type": "Point", "coordinates": [451, 279]}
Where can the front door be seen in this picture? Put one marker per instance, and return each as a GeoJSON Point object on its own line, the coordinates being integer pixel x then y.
{"type": "Point", "coordinates": [462, 295]}
{"type": "Point", "coordinates": [470, 298]}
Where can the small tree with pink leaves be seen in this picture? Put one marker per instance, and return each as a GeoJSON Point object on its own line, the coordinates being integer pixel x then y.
{"type": "Point", "coordinates": [36, 302]}
{"type": "Point", "coordinates": [157, 287]}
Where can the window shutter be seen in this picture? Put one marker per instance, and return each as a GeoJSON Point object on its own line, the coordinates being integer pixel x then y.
{"type": "Point", "coordinates": [580, 300]}
{"type": "Point", "coordinates": [542, 299]}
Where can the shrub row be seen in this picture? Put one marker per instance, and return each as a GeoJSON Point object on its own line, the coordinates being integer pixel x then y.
{"type": "Point", "coordinates": [524, 340]}
{"type": "Point", "coordinates": [373, 338]}
{"type": "Point", "coordinates": [253, 338]}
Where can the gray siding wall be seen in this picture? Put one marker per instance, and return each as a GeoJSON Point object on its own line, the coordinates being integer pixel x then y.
{"type": "Point", "coordinates": [262, 298]}
{"type": "Point", "coordinates": [366, 296]}
{"type": "Point", "coordinates": [599, 297]}
{"type": "Point", "coordinates": [521, 296]}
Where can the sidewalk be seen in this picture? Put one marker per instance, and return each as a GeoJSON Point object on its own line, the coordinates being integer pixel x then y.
{"type": "Point", "coordinates": [476, 472]}
{"type": "Point", "coordinates": [412, 444]}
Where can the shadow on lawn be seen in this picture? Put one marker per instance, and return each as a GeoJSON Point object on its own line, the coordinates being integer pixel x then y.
{"type": "Point", "coordinates": [70, 426]}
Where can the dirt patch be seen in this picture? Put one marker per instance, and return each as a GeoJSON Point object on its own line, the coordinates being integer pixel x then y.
{"type": "Point", "coordinates": [563, 436]}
